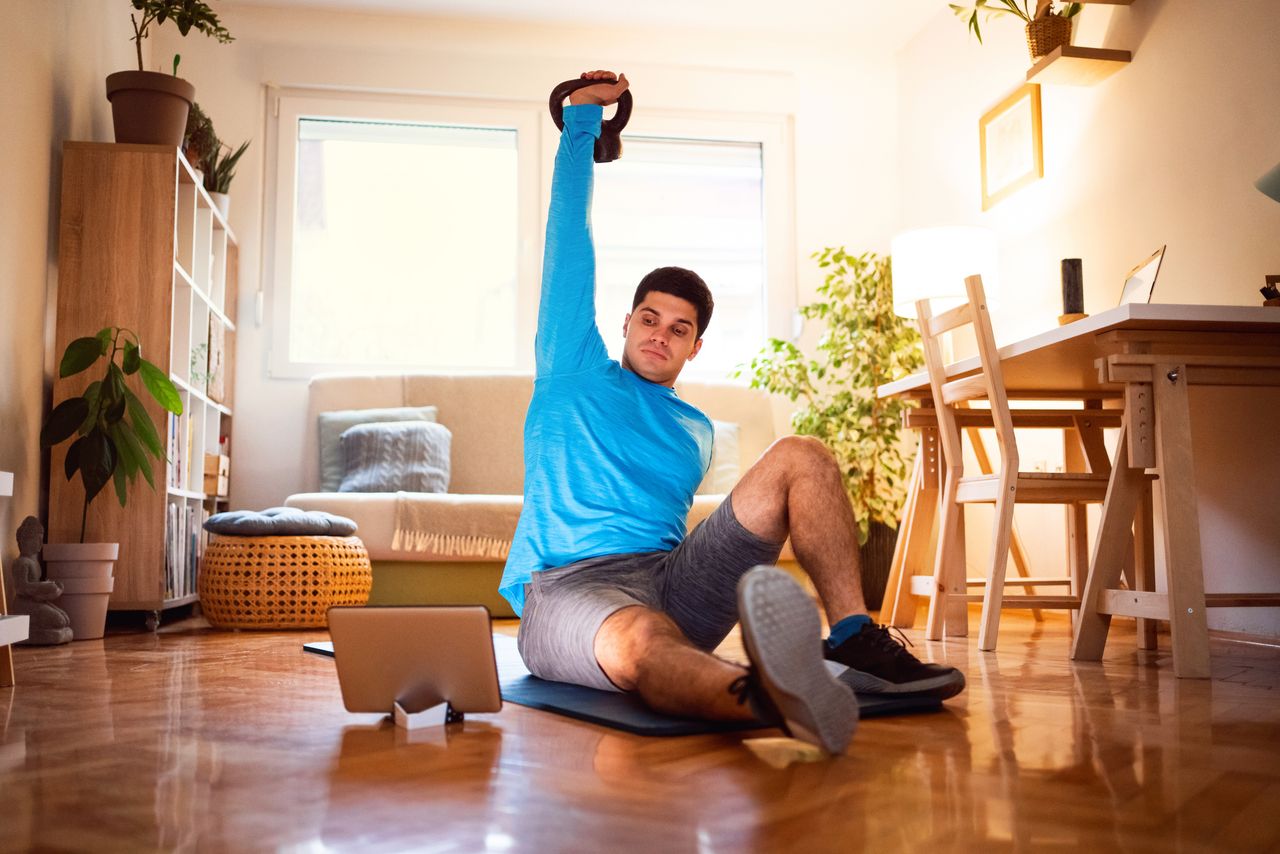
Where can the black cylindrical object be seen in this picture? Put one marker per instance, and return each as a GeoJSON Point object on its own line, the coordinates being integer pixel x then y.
{"type": "Point", "coordinates": [1072, 286]}
{"type": "Point", "coordinates": [609, 143]}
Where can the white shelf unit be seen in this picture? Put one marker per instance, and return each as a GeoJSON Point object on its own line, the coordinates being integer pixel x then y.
{"type": "Point", "coordinates": [178, 293]}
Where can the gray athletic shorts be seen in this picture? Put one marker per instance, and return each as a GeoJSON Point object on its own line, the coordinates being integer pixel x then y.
{"type": "Point", "coordinates": [695, 584]}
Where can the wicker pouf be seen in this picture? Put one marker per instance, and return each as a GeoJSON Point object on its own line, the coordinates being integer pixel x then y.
{"type": "Point", "coordinates": [281, 582]}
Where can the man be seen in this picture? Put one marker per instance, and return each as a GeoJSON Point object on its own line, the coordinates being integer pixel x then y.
{"type": "Point", "coordinates": [611, 592]}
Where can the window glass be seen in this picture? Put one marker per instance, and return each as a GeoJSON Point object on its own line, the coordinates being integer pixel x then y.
{"type": "Point", "coordinates": [687, 203]}
{"type": "Point", "coordinates": [404, 245]}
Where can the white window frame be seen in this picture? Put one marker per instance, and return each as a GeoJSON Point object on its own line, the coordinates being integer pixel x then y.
{"type": "Point", "coordinates": [288, 106]}
{"type": "Point", "coordinates": [536, 144]}
{"type": "Point", "coordinates": [773, 134]}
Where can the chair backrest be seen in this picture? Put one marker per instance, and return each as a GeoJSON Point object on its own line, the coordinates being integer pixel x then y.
{"type": "Point", "coordinates": [987, 383]}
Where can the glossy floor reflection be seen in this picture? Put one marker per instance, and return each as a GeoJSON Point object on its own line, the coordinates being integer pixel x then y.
{"type": "Point", "coordinates": [195, 738]}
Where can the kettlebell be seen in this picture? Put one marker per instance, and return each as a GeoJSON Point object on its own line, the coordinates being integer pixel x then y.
{"type": "Point", "coordinates": [609, 143]}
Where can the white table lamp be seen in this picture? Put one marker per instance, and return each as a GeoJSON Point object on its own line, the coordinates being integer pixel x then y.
{"type": "Point", "coordinates": [932, 263]}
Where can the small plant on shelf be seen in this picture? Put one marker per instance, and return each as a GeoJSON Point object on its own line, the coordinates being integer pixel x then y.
{"type": "Point", "coordinates": [220, 166]}
{"type": "Point", "coordinates": [1047, 27]}
{"type": "Point", "coordinates": [199, 142]}
{"type": "Point", "coordinates": [185, 14]}
{"type": "Point", "coordinates": [114, 434]}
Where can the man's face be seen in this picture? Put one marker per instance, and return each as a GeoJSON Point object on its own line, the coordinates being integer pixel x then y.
{"type": "Point", "coordinates": [662, 334]}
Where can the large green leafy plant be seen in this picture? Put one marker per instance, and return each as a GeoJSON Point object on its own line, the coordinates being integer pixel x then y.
{"type": "Point", "coordinates": [863, 346]}
{"type": "Point", "coordinates": [185, 14]}
{"type": "Point", "coordinates": [114, 434]}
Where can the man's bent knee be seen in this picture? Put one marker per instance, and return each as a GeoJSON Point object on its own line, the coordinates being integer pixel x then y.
{"type": "Point", "coordinates": [627, 637]}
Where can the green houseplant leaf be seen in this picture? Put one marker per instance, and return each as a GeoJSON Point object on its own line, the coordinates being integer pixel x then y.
{"type": "Point", "coordinates": [115, 437]}
{"type": "Point", "coordinates": [863, 345]}
{"type": "Point", "coordinates": [186, 14]}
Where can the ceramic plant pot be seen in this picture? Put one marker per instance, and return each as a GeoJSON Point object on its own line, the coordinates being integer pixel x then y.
{"type": "Point", "coordinates": [149, 107]}
{"type": "Point", "coordinates": [85, 600]}
{"type": "Point", "coordinates": [223, 201]}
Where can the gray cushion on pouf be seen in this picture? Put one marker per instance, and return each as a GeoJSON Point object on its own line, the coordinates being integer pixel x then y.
{"type": "Point", "coordinates": [280, 522]}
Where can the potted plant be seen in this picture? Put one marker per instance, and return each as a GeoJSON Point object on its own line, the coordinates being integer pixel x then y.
{"type": "Point", "coordinates": [148, 106]}
{"type": "Point", "coordinates": [219, 170]}
{"type": "Point", "coordinates": [1047, 28]}
{"type": "Point", "coordinates": [199, 142]}
{"type": "Point", "coordinates": [864, 345]}
{"type": "Point", "coordinates": [115, 440]}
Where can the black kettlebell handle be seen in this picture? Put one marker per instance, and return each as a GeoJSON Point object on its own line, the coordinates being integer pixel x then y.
{"type": "Point", "coordinates": [609, 143]}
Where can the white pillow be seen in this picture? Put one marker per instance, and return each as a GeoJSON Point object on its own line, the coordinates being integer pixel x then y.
{"type": "Point", "coordinates": [725, 470]}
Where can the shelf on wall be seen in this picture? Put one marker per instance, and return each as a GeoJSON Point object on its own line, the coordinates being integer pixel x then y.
{"type": "Point", "coordinates": [13, 629]}
{"type": "Point", "coordinates": [1078, 66]}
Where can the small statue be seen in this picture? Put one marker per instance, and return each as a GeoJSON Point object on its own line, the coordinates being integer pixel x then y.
{"type": "Point", "coordinates": [49, 623]}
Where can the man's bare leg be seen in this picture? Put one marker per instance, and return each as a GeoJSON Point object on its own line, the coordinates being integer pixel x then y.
{"type": "Point", "coordinates": [643, 650]}
{"type": "Point", "coordinates": [795, 489]}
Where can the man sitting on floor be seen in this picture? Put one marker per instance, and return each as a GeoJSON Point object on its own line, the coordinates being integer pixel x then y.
{"type": "Point", "coordinates": [611, 592]}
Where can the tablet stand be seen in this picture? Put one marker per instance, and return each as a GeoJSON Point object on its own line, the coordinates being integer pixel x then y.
{"type": "Point", "coordinates": [441, 713]}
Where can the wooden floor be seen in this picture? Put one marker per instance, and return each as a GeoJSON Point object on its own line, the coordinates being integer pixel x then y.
{"type": "Point", "coordinates": [195, 738]}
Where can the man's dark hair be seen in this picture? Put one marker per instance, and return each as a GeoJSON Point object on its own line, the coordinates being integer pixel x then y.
{"type": "Point", "coordinates": [682, 283]}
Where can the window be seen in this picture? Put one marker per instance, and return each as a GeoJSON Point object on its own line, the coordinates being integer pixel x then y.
{"type": "Point", "coordinates": [404, 245]}
{"type": "Point", "coordinates": [407, 232]}
{"type": "Point", "coordinates": [689, 203]}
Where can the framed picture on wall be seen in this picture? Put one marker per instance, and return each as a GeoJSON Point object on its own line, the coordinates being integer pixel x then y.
{"type": "Point", "coordinates": [1009, 139]}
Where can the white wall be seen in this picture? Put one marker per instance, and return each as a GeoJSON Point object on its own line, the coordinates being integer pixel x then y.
{"type": "Point", "coordinates": [843, 102]}
{"type": "Point", "coordinates": [1164, 152]}
{"type": "Point", "coordinates": [54, 58]}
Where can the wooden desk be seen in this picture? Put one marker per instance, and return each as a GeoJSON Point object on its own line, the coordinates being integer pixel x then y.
{"type": "Point", "coordinates": [1146, 356]}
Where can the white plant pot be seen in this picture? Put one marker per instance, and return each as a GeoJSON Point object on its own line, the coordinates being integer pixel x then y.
{"type": "Point", "coordinates": [223, 201]}
{"type": "Point", "coordinates": [80, 560]}
{"type": "Point", "coordinates": [85, 601]}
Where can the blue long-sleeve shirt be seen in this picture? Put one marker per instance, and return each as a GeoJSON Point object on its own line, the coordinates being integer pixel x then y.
{"type": "Point", "coordinates": [611, 460]}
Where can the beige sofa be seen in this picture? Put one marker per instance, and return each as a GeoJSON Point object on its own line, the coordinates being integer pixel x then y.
{"type": "Point", "coordinates": [462, 561]}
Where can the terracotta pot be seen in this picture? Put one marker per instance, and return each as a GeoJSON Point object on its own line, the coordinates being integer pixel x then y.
{"type": "Point", "coordinates": [85, 601]}
{"type": "Point", "coordinates": [149, 107]}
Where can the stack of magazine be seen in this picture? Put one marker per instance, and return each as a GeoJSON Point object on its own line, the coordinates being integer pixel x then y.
{"type": "Point", "coordinates": [184, 542]}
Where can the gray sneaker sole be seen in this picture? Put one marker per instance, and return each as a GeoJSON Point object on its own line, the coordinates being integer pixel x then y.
{"type": "Point", "coordinates": [779, 628]}
{"type": "Point", "coordinates": [938, 688]}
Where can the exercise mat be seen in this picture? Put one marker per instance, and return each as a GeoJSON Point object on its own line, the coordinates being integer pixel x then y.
{"type": "Point", "coordinates": [627, 712]}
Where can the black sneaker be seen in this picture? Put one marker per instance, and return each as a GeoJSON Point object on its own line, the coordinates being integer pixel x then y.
{"type": "Point", "coordinates": [879, 663]}
{"type": "Point", "coordinates": [780, 630]}
{"type": "Point", "coordinates": [749, 691]}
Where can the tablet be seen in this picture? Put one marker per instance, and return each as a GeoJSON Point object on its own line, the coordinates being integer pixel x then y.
{"type": "Point", "coordinates": [417, 655]}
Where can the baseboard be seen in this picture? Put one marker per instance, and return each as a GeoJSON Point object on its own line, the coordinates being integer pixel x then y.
{"type": "Point", "coordinates": [1246, 638]}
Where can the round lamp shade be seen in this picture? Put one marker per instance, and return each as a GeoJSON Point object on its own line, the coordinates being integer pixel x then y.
{"type": "Point", "coordinates": [932, 263]}
{"type": "Point", "coordinates": [1270, 183]}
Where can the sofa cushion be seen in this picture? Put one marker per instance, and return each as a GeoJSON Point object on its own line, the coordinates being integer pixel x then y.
{"type": "Point", "coordinates": [724, 471]}
{"type": "Point", "coordinates": [333, 424]}
{"type": "Point", "coordinates": [389, 456]}
{"type": "Point", "coordinates": [280, 522]}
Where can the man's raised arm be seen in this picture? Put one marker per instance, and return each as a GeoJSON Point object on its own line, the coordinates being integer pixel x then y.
{"type": "Point", "coordinates": [568, 339]}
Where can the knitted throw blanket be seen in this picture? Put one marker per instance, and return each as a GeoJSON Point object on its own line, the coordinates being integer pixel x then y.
{"type": "Point", "coordinates": [465, 527]}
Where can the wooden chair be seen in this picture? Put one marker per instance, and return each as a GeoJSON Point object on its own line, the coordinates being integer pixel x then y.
{"type": "Point", "coordinates": [1005, 488]}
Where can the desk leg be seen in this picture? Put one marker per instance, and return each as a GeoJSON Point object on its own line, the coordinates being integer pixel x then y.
{"type": "Point", "coordinates": [1184, 560]}
{"type": "Point", "coordinates": [915, 536]}
{"type": "Point", "coordinates": [957, 576]}
{"type": "Point", "coordinates": [893, 592]}
{"type": "Point", "coordinates": [1113, 540]}
{"type": "Point", "coordinates": [1144, 564]}
{"type": "Point", "coordinates": [949, 554]}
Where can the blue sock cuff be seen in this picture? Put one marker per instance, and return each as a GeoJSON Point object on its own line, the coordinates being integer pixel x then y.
{"type": "Point", "coordinates": [847, 628]}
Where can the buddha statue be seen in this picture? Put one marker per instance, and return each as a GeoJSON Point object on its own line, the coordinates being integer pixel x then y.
{"type": "Point", "coordinates": [33, 596]}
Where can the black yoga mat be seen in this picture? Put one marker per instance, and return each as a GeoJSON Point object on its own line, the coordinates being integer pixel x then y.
{"type": "Point", "coordinates": [626, 711]}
